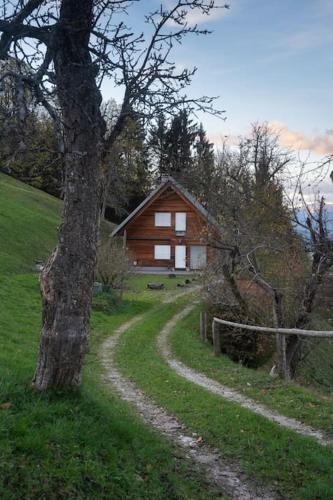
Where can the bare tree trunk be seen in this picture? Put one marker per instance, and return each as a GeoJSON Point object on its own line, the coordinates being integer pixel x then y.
{"type": "Point", "coordinates": [107, 179]}
{"type": "Point", "coordinates": [230, 279]}
{"type": "Point", "coordinates": [278, 317]}
{"type": "Point", "coordinates": [294, 343]}
{"type": "Point", "coordinates": [66, 281]}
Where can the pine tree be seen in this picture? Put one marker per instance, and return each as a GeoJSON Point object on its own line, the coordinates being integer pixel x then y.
{"type": "Point", "coordinates": [129, 170]}
{"type": "Point", "coordinates": [204, 166]}
{"type": "Point", "coordinates": [180, 142]}
{"type": "Point", "coordinates": [158, 144]}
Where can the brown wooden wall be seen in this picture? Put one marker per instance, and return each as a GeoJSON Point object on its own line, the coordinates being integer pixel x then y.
{"type": "Point", "coordinates": [142, 234]}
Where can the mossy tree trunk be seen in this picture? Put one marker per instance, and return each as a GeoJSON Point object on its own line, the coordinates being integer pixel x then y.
{"type": "Point", "coordinates": [67, 279]}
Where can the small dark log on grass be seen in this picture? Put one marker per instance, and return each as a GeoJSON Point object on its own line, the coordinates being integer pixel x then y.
{"type": "Point", "coordinates": [155, 286]}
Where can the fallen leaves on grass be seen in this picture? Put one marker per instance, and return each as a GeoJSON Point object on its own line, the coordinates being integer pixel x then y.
{"type": "Point", "coordinates": [5, 406]}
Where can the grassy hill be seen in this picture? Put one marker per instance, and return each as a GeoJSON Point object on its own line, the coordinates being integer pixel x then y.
{"type": "Point", "coordinates": [67, 444]}
{"type": "Point", "coordinates": [28, 225]}
{"type": "Point", "coordinates": [29, 219]}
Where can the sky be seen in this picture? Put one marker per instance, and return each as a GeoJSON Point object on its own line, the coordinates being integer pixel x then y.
{"type": "Point", "coordinates": [267, 60]}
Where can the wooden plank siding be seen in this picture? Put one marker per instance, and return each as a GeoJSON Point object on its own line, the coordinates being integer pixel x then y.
{"type": "Point", "coordinates": [142, 234]}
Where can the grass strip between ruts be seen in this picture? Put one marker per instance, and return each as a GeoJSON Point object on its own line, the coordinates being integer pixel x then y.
{"type": "Point", "coordinates": [287, 398]}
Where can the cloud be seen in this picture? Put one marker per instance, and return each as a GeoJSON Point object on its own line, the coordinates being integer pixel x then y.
{"type": "Point", "coordinates": [312, 191]}
{"type": "Point", "coordinates": [196, 17]}
{"type": "Point", "coordinates": [318, 143]}
{"type": "Point", "coordinates": [309, 38]}
{"type": "Point", "coordinates": [321, 144]}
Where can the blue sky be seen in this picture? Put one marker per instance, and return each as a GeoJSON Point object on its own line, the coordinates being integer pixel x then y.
{"type": "Point", "coordinates": [268, 60]}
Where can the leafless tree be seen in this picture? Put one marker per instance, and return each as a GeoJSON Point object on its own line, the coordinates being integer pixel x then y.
{"type": "Point", "coordinates": [259, 228]}
{"type": "Point", "coordinates": [62, 50]}
{"type": "Point", "coordinates": [320, 248]}
{"type": "Point", "coordinates": [261, 151]}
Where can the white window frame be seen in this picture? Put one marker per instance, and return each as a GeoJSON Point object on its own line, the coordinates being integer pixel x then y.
{"type": "Point", "coordinates": [162, 219]}
{"type": "Point", "coordinates": [180, 223]}
{"type": "Point", "coordinates": [162, 252]}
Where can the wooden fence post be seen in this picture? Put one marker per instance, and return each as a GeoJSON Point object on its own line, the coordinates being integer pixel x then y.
{"type": "Point", "coordinates": [216, 339]}
{"type": "Point", "coordinates": [282, 356]}
{"type": "Point", "coordinates": [281, 348]}
{"type": "Point", "coordinates": [203, 326]}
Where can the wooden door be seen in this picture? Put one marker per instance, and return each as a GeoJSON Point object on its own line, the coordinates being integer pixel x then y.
{"type": "Point", "coordinates": [180, 257]}
{"type": "Point", "coordinates": [198, 256]}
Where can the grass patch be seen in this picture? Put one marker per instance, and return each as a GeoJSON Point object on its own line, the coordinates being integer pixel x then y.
{"type": "Point", "coordinates": [29, 220]}
{"type": "Point", "coordinates": [28, 225]}
{"type": "Point", "coordinates": [75, 444]}
{"type": "Point", "coordinates": [299, 467]}
{"type": "Point", "coordinates": [287, 398]}
{"type": "Point", "coordinates": [84, 444]}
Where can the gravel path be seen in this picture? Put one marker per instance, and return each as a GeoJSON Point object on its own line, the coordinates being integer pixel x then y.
{"type": "Point", "coordinates": [225, 475]}
{"type": "Point", "coordinates": [227, 393]}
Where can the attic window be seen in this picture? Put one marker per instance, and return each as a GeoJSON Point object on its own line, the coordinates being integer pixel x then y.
{"type": "Point", "coordinates": [163, 219]}
{"type": "Point", "coordinates": [180, 222]}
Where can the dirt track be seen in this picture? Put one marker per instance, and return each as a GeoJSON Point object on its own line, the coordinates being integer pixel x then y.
{"type": "Point", "coordinates": [227, 393]}
{"type": "Point", "coordinates": [224, 474]}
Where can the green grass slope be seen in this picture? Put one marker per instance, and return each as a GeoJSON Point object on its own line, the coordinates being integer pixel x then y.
{"type": "Point", "coordinates": [29, 219]}
{"type": "Point", "coordinates": [76, 444]}
{"type": "Point", "coordinates": [28, 225]}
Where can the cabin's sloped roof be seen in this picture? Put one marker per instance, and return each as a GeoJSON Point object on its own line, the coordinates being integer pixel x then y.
{"type": "Point", "coordinates": [172, 182]}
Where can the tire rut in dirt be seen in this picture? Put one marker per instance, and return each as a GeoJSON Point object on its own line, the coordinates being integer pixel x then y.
{"type": "Point", "coordinates": [224, 474]}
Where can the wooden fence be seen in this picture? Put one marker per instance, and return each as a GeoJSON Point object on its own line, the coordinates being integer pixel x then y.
{"type": "Point", "coordinates": [281, 333]}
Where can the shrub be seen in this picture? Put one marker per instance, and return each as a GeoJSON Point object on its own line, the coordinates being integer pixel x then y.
{"type": "Point", "coordinates": [113, 264]}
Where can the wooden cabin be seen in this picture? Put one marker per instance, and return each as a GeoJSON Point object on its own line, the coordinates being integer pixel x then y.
{"type": "Point", "coordinates": [169, 229]}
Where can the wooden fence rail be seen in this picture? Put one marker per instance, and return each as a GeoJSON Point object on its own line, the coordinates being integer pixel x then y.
{"type": "Point", "coordinates": [282, 331]}
{"type": "Point", "coordinates": [281, 335]}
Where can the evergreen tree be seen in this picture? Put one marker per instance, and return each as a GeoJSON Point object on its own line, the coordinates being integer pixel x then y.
{"type": "Point", "coordinates": [158, 144]}
{"type": "Point", "coordinates": [129, 171]}
{"type": "Point", "coordinates": [202, 176]}
{"type": "Point", "coordinates": [180, 141]}
{"type": "Point", "coordinates": [32, 154]}
{"type": "Point", "coordinates": [29, 148]}
{"type": "Point", "coordinates": [171, 145]}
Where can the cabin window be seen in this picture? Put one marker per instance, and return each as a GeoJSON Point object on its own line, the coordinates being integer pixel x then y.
{"type": "Point", "coordinates": [163, 219]}
{"type": "Point", "coordinates": [180, 222]}
{"type": "Point", "coordinates": [162, 252]}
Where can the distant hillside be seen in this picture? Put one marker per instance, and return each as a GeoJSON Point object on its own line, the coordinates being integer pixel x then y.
{"type": "Point", "coordinates": [28, 225]}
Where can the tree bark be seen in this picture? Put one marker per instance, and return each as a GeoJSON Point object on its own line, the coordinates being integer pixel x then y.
{"type": "Point", "coordinates": [295, 343]}
{"type": "Point", "coordinates": [67, 279]}
{"type": "Point", "coordinates": [230, 279]}
{"type": "Point", "coordinates": [278, 318]}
